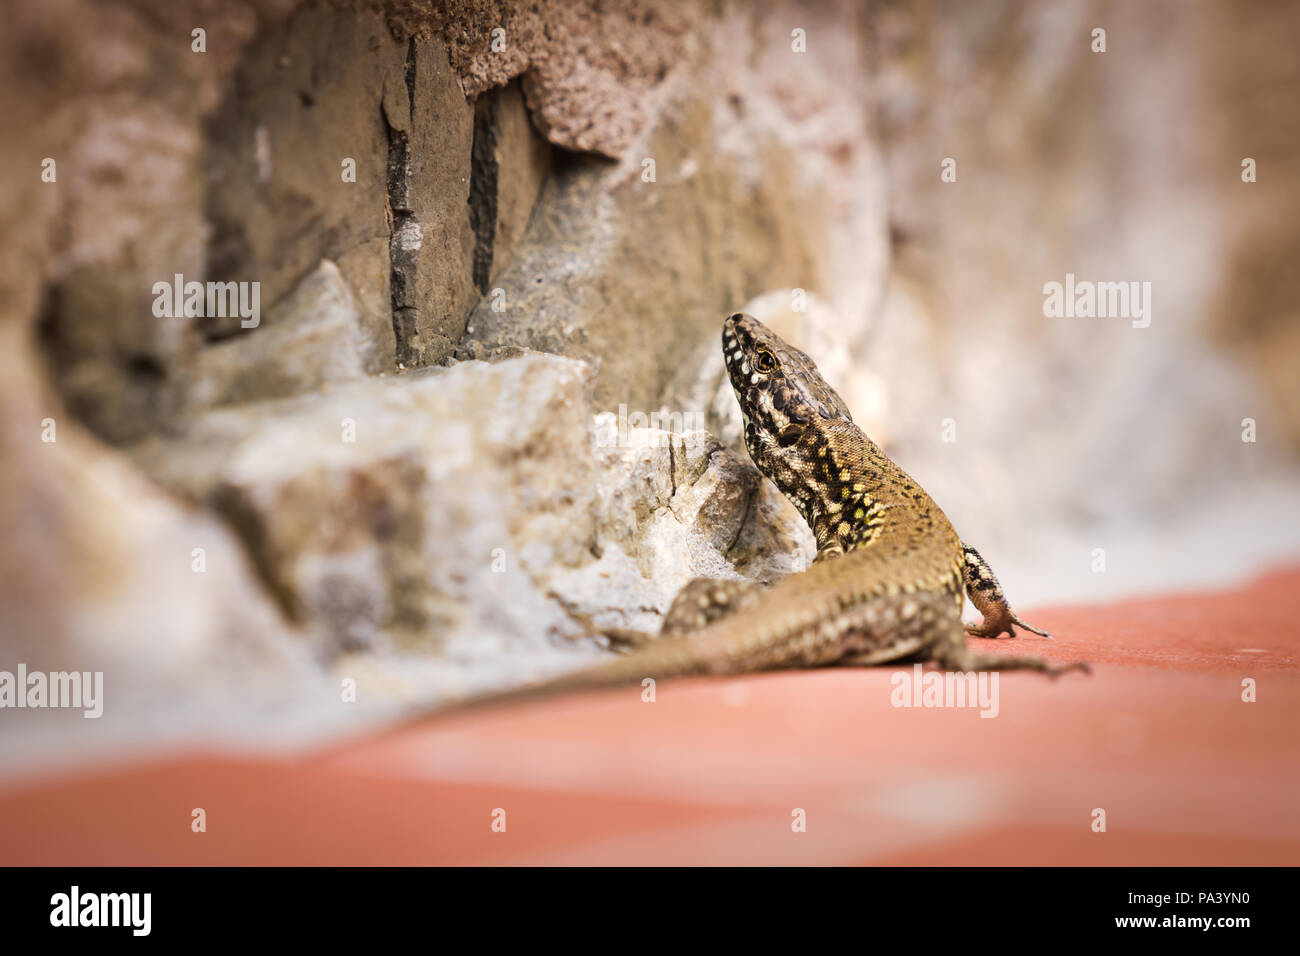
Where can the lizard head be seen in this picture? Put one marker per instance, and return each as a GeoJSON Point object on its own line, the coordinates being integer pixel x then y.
{"type": "Point", "coordinates": [780, 391]}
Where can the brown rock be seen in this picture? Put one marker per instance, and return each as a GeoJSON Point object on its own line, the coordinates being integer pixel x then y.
{"type": "Point", "coordinates": [511, 163]}
{"type": "Point", "coordinates": [590, 70]}
{"type": "Point", "coordinates": [635, 276]}
{"type": "Point", "coordinates": [302, 103]}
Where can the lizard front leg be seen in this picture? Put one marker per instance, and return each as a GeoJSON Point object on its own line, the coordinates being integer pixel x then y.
{"type": "Point", "coordinates": [986, 594]}
{"type": "Point", "coordinates": [705, 600]}
{"type": "Point", "coordinates": [926, 626]}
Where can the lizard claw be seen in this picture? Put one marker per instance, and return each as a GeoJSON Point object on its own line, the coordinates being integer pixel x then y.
{"type": "Point", "coordinates": [1030, 628]}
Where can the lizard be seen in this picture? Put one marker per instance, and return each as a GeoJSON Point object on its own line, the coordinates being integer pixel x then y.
{"type": "Point", "coordinates": [890, 571]}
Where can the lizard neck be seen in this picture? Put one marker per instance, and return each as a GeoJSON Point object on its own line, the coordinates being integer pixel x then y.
{"type": "Point", "coordinates": [847, 489]}
{"type": "Point", "coordinates": [853, 492]}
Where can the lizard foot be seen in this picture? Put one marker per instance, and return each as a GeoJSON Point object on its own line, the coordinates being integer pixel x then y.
{"type": "Point", "coordinates": [985, 593]}
{"type": "Point", "coordinates": [993, 627]}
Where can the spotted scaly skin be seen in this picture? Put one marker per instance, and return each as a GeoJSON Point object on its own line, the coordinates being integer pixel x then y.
{"type": "Point", "coordinates": [890, 572]}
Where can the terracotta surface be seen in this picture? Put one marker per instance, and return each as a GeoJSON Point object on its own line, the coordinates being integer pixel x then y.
{"type": "Point", "coordinates": [711, 772]}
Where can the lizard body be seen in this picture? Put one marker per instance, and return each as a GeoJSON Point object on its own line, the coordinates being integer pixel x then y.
{"type": "Point", "coordinates": [888, 580]}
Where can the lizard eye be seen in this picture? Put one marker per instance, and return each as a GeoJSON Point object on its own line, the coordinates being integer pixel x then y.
{"type": "Point", "coordinates": [764, 362]}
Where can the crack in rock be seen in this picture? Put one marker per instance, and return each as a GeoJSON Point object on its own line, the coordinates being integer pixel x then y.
{"type": "Point", "coordinates": [406, 236]}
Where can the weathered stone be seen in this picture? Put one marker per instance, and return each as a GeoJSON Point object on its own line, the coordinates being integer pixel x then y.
{"type": "Point", "coordinates": [366, 269]}
{"type": "Point", "coordinates": [302, 104]}
{"type": "Point", "coordinates": [117, 105]}
{"type": "Point", "coordinates": [101, 571]}
{"type": "Point", "coordinates": [635, 276]}
{"type": "Point", "coordinates": [511, 162]}
{"type": "Point", "coordinates": [375, 509]}
{"type": "Point", "coordinates": [431, 129]}
{"type": "Point", "coordinates": [457, 513]}
{"type": "Point", "coordinates": [591, 71]}
{"type": "Point", "coordinates": [98, 326]}
{"type": "Point", "coordinates": [314, 337]}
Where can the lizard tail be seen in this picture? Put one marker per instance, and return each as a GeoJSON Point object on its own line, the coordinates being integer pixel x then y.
{"type": "Point", "coordinates": [664, 658]}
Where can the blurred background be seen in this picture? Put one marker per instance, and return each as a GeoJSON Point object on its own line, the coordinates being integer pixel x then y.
{"type": "Point", "coordinates": [493, 246]}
